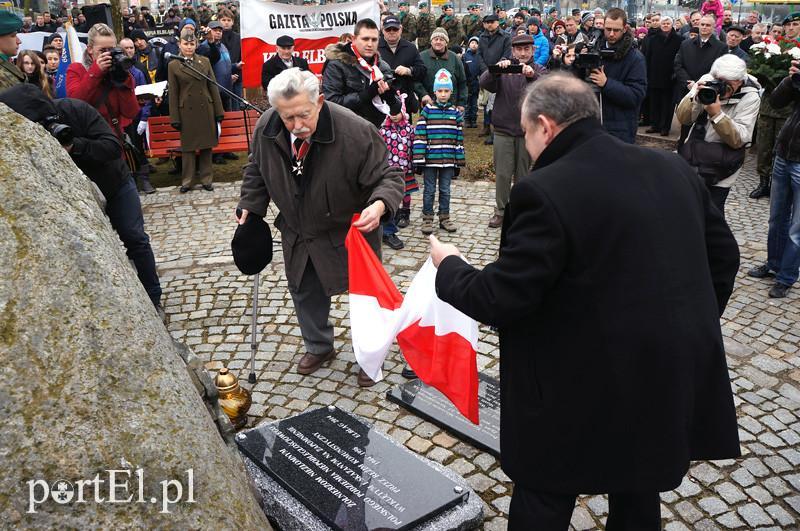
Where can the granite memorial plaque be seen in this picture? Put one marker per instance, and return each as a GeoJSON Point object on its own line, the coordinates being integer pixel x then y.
{"type": "Point", "coordinates": [347, 474]}
{"type": "Point", "coordinates": [432, 405]}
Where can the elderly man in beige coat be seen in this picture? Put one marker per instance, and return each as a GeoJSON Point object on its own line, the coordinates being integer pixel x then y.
{"type": "Point", "coordinates": [320, 164]}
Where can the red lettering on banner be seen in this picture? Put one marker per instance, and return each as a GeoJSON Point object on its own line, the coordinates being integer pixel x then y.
{"type": "Point", "coordinates": [256, 52]}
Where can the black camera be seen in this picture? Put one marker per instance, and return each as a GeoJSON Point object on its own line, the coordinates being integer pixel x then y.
{"type": "Point", "coordinates": [708, 94]}
{"type": "Point", "coordinates": [592, 59]}
{"type": "Point", "coordinates": [61, 132]}
{"type": "Point", "coordinates": [120, 64]}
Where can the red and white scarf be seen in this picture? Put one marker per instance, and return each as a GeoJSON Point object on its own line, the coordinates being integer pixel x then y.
{"type": "Point", "coordinates": [375, 75]}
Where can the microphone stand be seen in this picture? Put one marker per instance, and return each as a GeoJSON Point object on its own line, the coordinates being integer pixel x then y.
{"type": "Point", "coordinates": [256, 279]}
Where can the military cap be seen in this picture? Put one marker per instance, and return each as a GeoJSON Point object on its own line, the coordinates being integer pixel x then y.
{"type": "Point", "coordinates": [9, 23]}
{"type": "Point", "coordinates": [422, 5]}
{"type": "Point", "coordinates": [447, 6]}
{"type": "Point", "coordinates": [474, 6]}
{"type": "Point", "coordinates": [499, 7]}
{"type": "Point", "coordinates": [791, 17]}
{"type": "Point", "coordinates": [401, 4]}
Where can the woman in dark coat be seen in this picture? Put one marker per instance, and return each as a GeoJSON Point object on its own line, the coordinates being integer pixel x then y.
{"type": "Point", "coordinates": [195, 109]}
{"type": "Point", "coordinates": [660, 49]}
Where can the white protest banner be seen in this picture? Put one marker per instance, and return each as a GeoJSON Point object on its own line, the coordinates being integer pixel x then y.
{"type": "Point", "coordinates": [311, 27]}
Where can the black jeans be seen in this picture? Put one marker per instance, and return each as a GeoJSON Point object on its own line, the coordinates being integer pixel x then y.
{"type": "Point", "coordinates": [533, 510]}
{"type": "Point", "coordinates": [660, 108]}
{"type": "Point", "coordinates": [125, 213]}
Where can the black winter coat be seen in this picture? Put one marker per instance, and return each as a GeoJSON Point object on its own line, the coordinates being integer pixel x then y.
{"type": "Point", "coordinates": [493, 47]}
{"type": "Point", "coordinates": [607, 295]}
{"type": "Point", "coordinates": [233, 42]}
{"type": "Point", "coordinates": [624, 91]}
{"type": "Point", "coordinates": [659, 51]}
{"type": "Point", "coordinates": [346, 83]}
{"type": "Point", "coordinates": [695, 59]}
{"type": "Point", "coordinates": [787, 145]}
{"type": "Point", "coordinates": [405, 54]}
{"type": "Point", "coordinates": [275, 66]}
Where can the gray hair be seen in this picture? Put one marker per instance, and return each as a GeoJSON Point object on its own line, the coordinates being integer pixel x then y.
{"type": "Point", "coordinates": [730, 68]}
{"type": "Point", "coordinates": [761, 26]}
{"type": "Point", "coordinates": [665, 19]}
{"type": "Point", "coordinates": [292, 82]}
{"type": "Point", "coordinates": [563, 98]}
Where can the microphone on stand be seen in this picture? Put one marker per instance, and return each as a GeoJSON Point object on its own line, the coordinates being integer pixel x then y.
{"type": "Point", "coordinates": [170, 56]}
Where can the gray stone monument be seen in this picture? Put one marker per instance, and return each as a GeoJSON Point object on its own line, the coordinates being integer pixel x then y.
{"type": "Point", "coordinates": [96, 402]}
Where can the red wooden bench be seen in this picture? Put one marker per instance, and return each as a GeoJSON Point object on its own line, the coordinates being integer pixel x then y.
{"type": "Point", "coordinates": [164, 141]}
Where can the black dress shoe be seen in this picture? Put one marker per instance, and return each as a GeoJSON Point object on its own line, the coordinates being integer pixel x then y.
{"type": "Point", "coordinates": [778, 291]}
{"type": "Point", "coordinates": [761, 271]}
{"type": "Point", "coordinates": [408, 373]}
{"type": "Point", "coordinates": [393, 241]}
{"type": "Point", "coordinates": [651, 130]}
{"type": "Point", "coordinates": [760, 191]}
{"type": "Point", "coordinates": [208, 187]}
{"type": "Point", "coordinates": [147, 187]}
{"type": "Point", "coordinates": [218, 160]}
{"type": "Point", "coordinates": [185, 189]}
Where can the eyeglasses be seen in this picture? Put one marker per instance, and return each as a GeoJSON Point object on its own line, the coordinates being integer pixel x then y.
{"type": "Point", "coordinates": [614, 30]}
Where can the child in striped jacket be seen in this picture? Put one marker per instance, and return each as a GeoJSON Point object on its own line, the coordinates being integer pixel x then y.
{"type": "Point", "coordinates": [439, 151]}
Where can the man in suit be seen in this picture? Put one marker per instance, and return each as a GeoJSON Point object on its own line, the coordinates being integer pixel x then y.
{"type": "Point", "coordinates": [283, 59]}
{"type": "Point", "coordinates": [607, 294]}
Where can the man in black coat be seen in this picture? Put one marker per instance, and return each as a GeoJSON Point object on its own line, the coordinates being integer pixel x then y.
{"type": "Point", "coordinates": [695, 56]}
{"type": "Point", "coordinates": [97, 151]}
{"type": "Point", "coordinates": [404, 60]}
{"type": "Point", "coordinates": [607, 295]}
{"type": "Point", "coordinates": [659, 51]}
{"type": "Point", "coordinates": [284, 58]}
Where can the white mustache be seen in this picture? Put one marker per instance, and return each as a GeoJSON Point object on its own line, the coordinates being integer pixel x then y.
{"type": "Point", "coordinates": [302, 130]}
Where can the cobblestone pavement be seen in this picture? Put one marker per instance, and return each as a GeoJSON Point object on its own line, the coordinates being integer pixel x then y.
{"type": "Point", "coordinates": [207, 303]}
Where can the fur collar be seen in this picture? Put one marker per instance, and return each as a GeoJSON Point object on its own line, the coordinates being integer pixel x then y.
{"type": "Point", "coordinates": [340, 52]}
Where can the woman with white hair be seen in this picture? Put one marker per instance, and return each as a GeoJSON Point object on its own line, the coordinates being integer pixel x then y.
{"type": "Point", "coordinates": [722, 108]}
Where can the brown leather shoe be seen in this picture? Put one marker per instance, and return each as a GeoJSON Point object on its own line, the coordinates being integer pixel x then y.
{"type": "Point", "coordinates": [496, 221]}
{"type": "Point", "coordinates": [364, 380]}
{"type": "Point", "coordinates": [309, 363]}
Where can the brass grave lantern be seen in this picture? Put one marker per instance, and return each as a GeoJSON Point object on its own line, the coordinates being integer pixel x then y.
{"type": "Point", "coordinates": [234, 399]}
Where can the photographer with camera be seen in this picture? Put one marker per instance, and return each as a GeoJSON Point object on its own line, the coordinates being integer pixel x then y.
{"type": "Point", "coordinates": [722, 108]}
{"type": "Point", "coordinates": [102, 79]}
{"type": "Point", "coordinates": [618, 71]}
{"type": "Point", "coordinates": [509, 80]}
{"type": "Point", "coordinates": [97, 152]}
{"type": "Point", "coordinates": [783, 239]}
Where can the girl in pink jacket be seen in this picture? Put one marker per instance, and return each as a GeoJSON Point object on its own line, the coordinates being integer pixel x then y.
{"type": "Point", "coordinates": [713, 7]}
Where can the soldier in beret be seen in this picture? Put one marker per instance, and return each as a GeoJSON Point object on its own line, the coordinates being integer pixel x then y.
{"type": "Point", "coordinates": [409, 22]}
{"type": "Point", "coordinates": [10, 75]}
{"type": "Point", "coordinates": [425, 26]}
{"type": "Point", "coordinates": [472, 23]}
{"type": "Point", "coordinates": [450, 23]}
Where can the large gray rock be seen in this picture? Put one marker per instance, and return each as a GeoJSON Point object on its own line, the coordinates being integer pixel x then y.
{"type": "Point", "coordinates": [90, 378]}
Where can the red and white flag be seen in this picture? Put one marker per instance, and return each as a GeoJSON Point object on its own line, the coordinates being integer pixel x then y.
{"type": "Point", "coordinates": [439, 342]}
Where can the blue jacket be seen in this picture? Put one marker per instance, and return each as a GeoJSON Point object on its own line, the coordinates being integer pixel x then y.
{"type": "Point", "coordinates": [472, 67]}
{"type": "Point", "coordinates": [624, 90]}
{"type": "Point", "coordinates": [541, 53]}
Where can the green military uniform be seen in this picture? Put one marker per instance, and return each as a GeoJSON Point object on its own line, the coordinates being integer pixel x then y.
{"type": "Point", "coordinates": [409, 22]}
{"type": "Point", "coordinates": [451, 25]}
{"type": "Point", "coordinates": [471, 24]}
{"type": "Point", "coordinates": [425, 26]}
{"type": "Point", "coordinates": [10, 75]}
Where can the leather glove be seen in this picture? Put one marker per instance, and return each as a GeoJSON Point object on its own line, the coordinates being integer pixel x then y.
{"type": "Point", "coordinates": [176, 126]}
{"type": "Point", "coordinates": [219, 118]}
{"type": "Point", "coordinates": [370, 92]}
{"type": "Point", "coordinates": [141, 128]}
